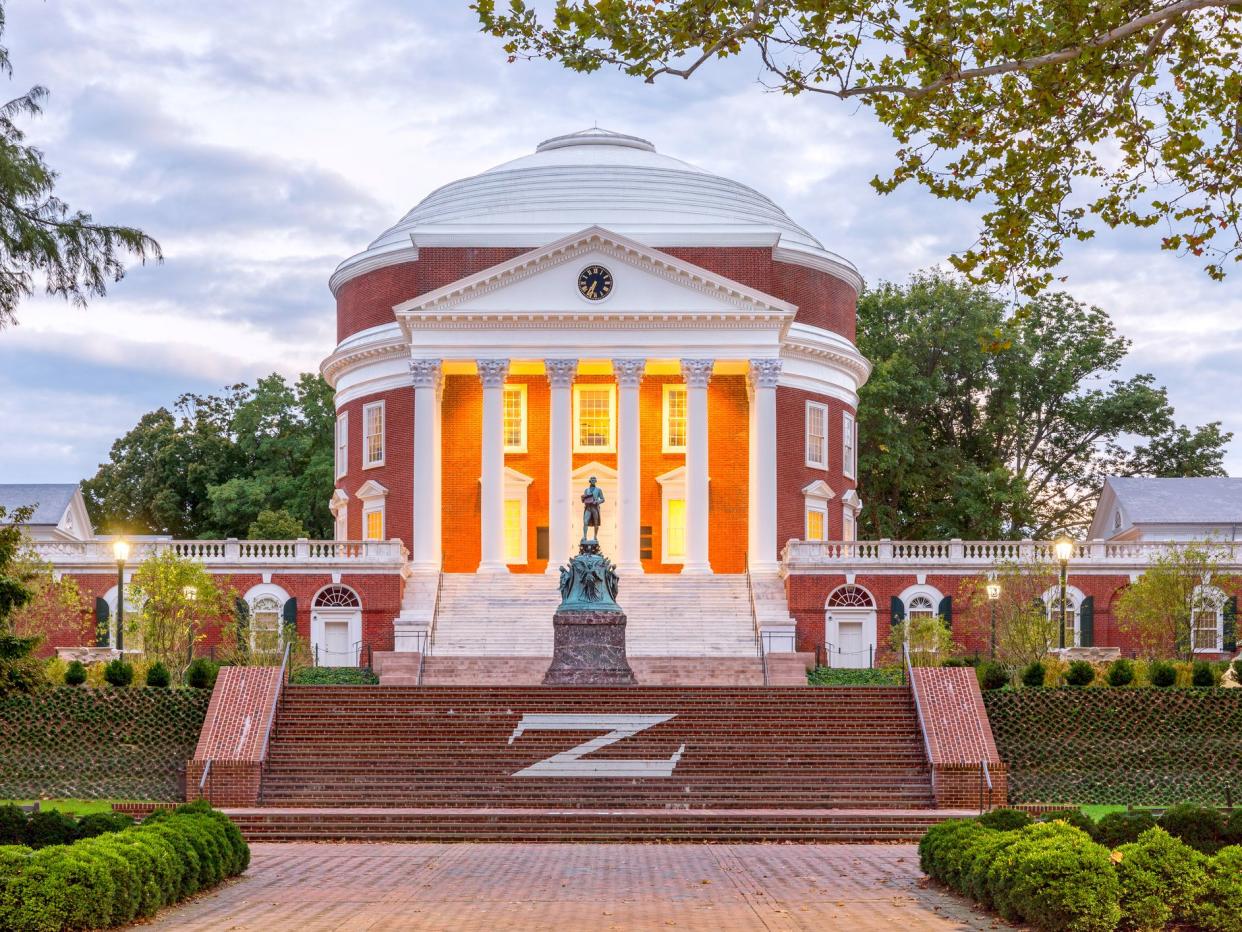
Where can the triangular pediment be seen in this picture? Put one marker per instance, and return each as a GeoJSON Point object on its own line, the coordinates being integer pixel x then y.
{"type": "Point", "coordinates": [542, 285]}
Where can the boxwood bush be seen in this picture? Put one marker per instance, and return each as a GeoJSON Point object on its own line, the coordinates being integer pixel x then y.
{"type": "Point", "coordinates": [334, 676]}
{"type": "Point", "coordinates": [1201, 827]}
{"type": "Point", "coordinates": [1119, 828]}
{"type": "Point", "coordinates": [1053, 876]}
{"type": "Point", "coordinates": [1161, 673]}
{"type": "Point", "coordinates": [1121, 672]}
{"type": "Point", "coordinates": [115, 878]}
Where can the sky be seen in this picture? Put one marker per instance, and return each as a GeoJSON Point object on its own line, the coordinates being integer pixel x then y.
{"type": "Point", "coordinates": [263, 142]}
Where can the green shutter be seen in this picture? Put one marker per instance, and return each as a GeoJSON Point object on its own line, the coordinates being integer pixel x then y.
{"type": "Point", "coordinates": [1231, 623]}
{"type": "Point", "coordinates": [290, 612]}
{"type": "Point", "coordinates": [945, 611]}
{"type": "Point", "coordinates": [896, 611]}
{"type": "Point", "coordinates": [241, 616]}
{"type": "Point", "coordinates": [102, 613]}
{"type": "Point", "coordinates": [1086, 622]}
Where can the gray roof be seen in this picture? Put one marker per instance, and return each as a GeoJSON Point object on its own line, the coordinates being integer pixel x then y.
{"type": "Point", "coordinates": [51, 499]}
{"type": "Point", "coordinates": [1208, 500]}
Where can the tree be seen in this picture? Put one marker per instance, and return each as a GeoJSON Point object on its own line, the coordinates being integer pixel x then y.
{"type": "Point", "coordinates": [40, 235]}
{"type": "Point", "coordinates": [19, 671]}
{"type": "Point", "coordinates": [1058, 116]}
{"type": "Point", "coordinates": [276, 525]}
{"type": "Point", "coordinates": [1181, 585]}
{"type": "Point", "coordinates": [1025, 630]}
{"type": "Point", "coordinates": [175, 599]}
{"type": "Point", "coordinates": [56, 606]}
{"type": "Point", "coordinates": [210, 469]}
{"type": "Point", "coordinates": [927, 640]}
{"type": "Point", "coordinates": [980, 423]}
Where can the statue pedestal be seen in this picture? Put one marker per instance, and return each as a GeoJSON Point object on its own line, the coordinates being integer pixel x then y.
{"type": "Point", "coordinates": [589, 650]}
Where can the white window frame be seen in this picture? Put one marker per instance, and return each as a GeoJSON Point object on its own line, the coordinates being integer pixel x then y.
{"type": "Point", "coordinates": [1074, 597]}
{"type": "Point", "coordinates": [338, 504]}
{"type": "Point", "coordinates": [520, 389]}
{"type": "Point", "coordinates": [277, 594]}
{"type": "Point", "coordinates": [813, 507]}
{"type": "Point", "coordinates": [665, 421]}
{"type": "Point", "coordinates": [612, 416]}
{"type": "Point", "coordinates": [849, 524]}
{"type": "Point", "coordinates": [374, 508]}
{"type": "Point", "coordinates": [342, 444]}
{"type": "Point", "coordinates": [1208, 597]}
{"type": "Point", "coordinates": [822, 461]}
{"type": "Point", "coordinates": [367, 462]}
{"type": "Point", "coordinates": [517, 488]}
{"type": "Point", "coordinates": [849, 445]}
{"type": "Point", "coordinates": [672, 486]}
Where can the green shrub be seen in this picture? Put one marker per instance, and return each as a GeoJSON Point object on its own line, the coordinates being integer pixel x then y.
{"type": "Point", "coordinates": [1237, 669]}
{"type": "Point", "coordinates": [1203, 674]}
{"type": "Point", "coordinates": [993, 675]}
{"type": "Point", "coordinates": [1055, 877]}
{"type": "Point", "coordinates": [1004, 820]}
{"type": "Point", "coordinates": [979, 870]}
{"type": "Point", "coordinates": [99, 823]}
{"type": "Point", "coordinates": [201, 673]}
{"type": "Point", "coordinates": [12, 825]}
{"type": "Point", "coordinates": [1161, 879]}
{"type": "Point", "coordinates": [1219, 909]}
{"type": "Point", "coordinates": [1121, 828]}
{"type": "Point", "coordinates": [158, 676]}
{"type": "Point", "coordinates": [1233, 827]}
{"type": "Point", "coordinates": [361, 676]}
{"type": "Point", "coordinates": [1034, 675]}
{"type": "Point", "coordinates": [1075, 817]}
{"type": "Point", "coordinates": [119, 673]}
{"type": "Point", "coordinates": [187, 855]}
{"type": "Point", "coordinates": [1201, 827]}
{"type": "Point", "coordinates": [50, 827]}
{"type": "Point", "coordinates": [945, 849]}
{"type": "Point", "coordinates": [75, 673]}
{"type": "Point", "coordinates": [1080, 673]}
{"type": "Point", "coordinates": [1161, 673]}
{"type": "Point", "coordinates": [1120, 672]}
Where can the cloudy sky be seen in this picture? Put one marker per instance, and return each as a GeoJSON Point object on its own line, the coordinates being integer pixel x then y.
{"type": "Point", "coordinates": [262, 142]}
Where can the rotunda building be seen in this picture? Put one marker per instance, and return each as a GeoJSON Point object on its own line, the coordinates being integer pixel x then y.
{"type": "Point", "coordinates": [597, 309]}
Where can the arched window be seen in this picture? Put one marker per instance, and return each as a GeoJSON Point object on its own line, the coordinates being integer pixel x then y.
{"type": "Point", "coordinates": [850, 596]}
{"type": "Point", "coordinates": [920, 606]}
{"type": "Point", "coordinates": [265, 627]}
{"type": "Point", "coordinates": [1207, 625]}
{"type": "Point", "coordinates": [1073, 614]}
{"type": "Point", "coordinates": [337, 597]}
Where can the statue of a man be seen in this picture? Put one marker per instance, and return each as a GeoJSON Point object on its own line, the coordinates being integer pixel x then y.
{"type": "Point", "coordinates": [592, 498]}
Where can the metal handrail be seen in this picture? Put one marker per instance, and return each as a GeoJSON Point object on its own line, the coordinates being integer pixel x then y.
{"type": "Point", "coordinates": [271, 717]}
{"type": "Point", "coordinates": [754, 617]}
{"type": "Point", "coordinates": [985, 776]}
{"type": "Point", "coordinates": [918, 709]}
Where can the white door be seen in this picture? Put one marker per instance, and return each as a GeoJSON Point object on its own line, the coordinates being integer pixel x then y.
{"type": "Point", "coordinates": [336, 650]}
{"type": "Point", "coordinates": [852, 644]}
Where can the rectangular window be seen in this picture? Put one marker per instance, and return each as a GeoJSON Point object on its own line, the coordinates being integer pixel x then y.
{"type": "Point", "coordinates": [595, 418]}
{"type": "Point", "coordinates": [1206, 629]}
{"type": "Point", "coordinates": [515, 418]}
{"type": "Point", "coordinates": [373, 524]}
{"type": "Point", "coordinates": [848, 532]}
{"type": "Point", "coordinates": [675, 531]}
{"type": "Point", "coordinates": [675, 418]}
{"type": "Point", "coordinates": [373, 434]}
{"type": "Point", "coordinates": [342, 524]}
{"type": "Point", "coordinates": [816, 524]}
{"type": "Point", "coordinates": [816, 435]}
{"type": "Point", "coordinates": [265, 627]}
{"type": "Point", "coordinates": [342, 444]}
{"type": "Point", "coordinates": [515, 543]}
{"type": "Point", "coordinates": [849, 446]}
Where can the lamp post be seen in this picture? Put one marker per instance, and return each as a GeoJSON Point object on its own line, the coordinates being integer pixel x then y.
{"type": "Point", "coordinates": [994, 594]}
{"type": "Point", "coordinates": [1064, 548]}
{"type": "Point", "coordinates": [120, 550]}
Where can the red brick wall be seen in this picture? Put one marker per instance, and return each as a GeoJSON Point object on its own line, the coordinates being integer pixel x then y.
{"type": "Point", "coordinates": [823, 301]}
{"type": "Point", "coordinates": [792, 473]}
{"type": "Point", "coordinates": [958, 737]}
{"type": "Point", "coordinates": [397, 473]}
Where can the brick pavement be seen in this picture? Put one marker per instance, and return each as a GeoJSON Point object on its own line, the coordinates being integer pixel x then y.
{"type": "Point", "coordinates": [467, 887]}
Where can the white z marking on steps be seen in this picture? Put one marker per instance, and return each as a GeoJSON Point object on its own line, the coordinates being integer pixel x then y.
{"type": "Point", "coordinates": [570, 763]}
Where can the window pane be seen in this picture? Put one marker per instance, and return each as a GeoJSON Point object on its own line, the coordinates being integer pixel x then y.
{"type": "Point", "coordinates": [847, 530]}
{"type": "Point", "coordinates": [375, 525]}
{"type": "Point", "coordinates": [847, 443]}
{"type": "Point", "coordinates": [513, 531]}
{"type": "Point", "coordinates": [514, 427]}
{"type": "Point", "coordinates": [815, 525]}
{"type": "Point", "coordinates": [1205, 629]}
{"type": "Point", "coordinates": [816, 435]}
{"type": "Point", "coordinates": [676, 529]}
{"type": "Point", "coordinates": [342, 443]}
{"type": "Point", "coordinates": [374, 426]}
{"type": "Point", "coordinates": [675, 429]}
{"type": "Point", "coordinates": [595, 418]}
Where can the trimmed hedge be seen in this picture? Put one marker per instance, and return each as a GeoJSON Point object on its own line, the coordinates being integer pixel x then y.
{"type": "Point", "coordinates": [112, 879]}
{"type": "Point", "coordinates": [1055, 877]}
{"type": "Point", "coordinates": [1144, 746]}
{"type": "Point", "coordinates": [333, 676]}
{"type": "Point", "coordinates": [53, 827]}
{"type": "Point", "coordinates": [98, 743]}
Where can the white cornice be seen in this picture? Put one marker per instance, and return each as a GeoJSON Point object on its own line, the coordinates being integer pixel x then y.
{"type": "Point", "coordinates": [834, 266]}
{"type": "Point", "coordinates": [384, 342]}
{"type": "Point", "coordinates": [370, 261]}
{"type": "Point", "coordinates": [815, 343]}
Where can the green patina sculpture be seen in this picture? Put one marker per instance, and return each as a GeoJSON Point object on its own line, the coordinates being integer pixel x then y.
{"type": "Point", "coordinates": [590, 582]}
{"type": "Point", "coordinates": [592, 498]}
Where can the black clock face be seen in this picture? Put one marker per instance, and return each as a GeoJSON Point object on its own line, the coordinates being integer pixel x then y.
{"type": "Point", "coordinates": [595, 282]}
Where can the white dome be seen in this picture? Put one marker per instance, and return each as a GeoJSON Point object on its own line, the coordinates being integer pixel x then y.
{"type": "Point", "coordinates": [593, 178]}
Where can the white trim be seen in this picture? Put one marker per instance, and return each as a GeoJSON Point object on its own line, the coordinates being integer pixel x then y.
{"type": "Point", "coordinates": [811, 408]}
{"type": "Point", "coordinates": [665, 391]}
{"type": "Point", "coordinates": [374, 509]}
{"type": "Point", "coordinates": [927, 591]}
{"type": "Point", "coordinates": [517, 488]}
{"type": "Point", "coordinates": [1216, 598]}
{"type": "Point", "coordinates": [259, 590]}
{"type": "Point", "coordinates": [611, 388]}
{"type": "Point", "coordinates": [672, 486]}
{"type": "Point", "coordinates": [370, 490]}
{"type": "Point", "coordinates": [1073, 617]}
{"type": "Point", "coordinates": [367, 462]}
{"type": "Point", "coordinates": [341, 448]}
{"type": "Point", "coordinates": [520, 388]}
{"type": "Point", "coordinates": [849, 451]}
{"type": "Point", "coordinates": [809, 509]}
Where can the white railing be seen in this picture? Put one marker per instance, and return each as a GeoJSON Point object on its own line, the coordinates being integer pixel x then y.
{"type": "Point", "coordinates": [231, 552]}
{"type": "Point", "coordinates": [817, 555]}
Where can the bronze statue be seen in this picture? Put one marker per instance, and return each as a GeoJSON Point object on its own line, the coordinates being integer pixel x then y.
{"type": "Point", "coordinates": [592, 498]}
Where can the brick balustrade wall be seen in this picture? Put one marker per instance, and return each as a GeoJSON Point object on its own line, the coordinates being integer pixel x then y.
{"type": "Point", "coordinates": [234, 736]}
{"type": "Point", "coordinates": [958, 738]}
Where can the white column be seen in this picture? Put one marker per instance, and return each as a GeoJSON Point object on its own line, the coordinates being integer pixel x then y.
{"type": "Point", "coordinates": [696, 373]}
{"type": "Point", "coordinates": [561, 374]}
{"type": "Point", "coordinates": [492, 373]}
{"type": "Point", "coordinates": [629, 376]}
{"type": "Point", "coordinates": [425, 547]}
{"type": "Point", "coordinates": [762, 544]}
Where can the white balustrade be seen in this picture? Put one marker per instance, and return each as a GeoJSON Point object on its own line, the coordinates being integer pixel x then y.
{"type": "Point", "coordinates": [271, 553]}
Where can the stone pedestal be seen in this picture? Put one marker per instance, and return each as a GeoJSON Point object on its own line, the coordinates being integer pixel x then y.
{"type": "Point", "coordinates": [589, 650]}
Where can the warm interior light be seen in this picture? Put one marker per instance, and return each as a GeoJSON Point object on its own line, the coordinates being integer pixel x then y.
{"type": "Point", "coordinates": [1064, 549]}
{"type": "Point", "coordinates": [994, 591]}
{"type": "Point", "coordinates": [190, 593]}
{"type": "Point", "coordinates": [120, 549]}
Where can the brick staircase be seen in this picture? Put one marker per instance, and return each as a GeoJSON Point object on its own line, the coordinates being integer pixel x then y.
{"type": "Point", "coordinates": [667, 616]}
{"type": "Point", "coordinates": [723, 764]}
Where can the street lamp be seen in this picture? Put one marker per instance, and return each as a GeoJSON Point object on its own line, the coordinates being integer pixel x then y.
{"type": "Point", "coordinates": [1064, 549]}
{"type": "Point", "coordinates": [994, 594]}
{"type": "Point", "coordinates": [120, 550]}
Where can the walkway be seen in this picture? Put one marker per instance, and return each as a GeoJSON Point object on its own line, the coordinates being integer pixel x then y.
{"type": "Point", "coordinates": [467, 887]}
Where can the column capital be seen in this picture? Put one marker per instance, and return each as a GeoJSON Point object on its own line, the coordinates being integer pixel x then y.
{"type": "Point", "coordinates": [697, 372]}
{"type": "Point", "coordinates": [493, 372]}
{"type": "Point", "coordinates": [561, 372]}
{"type": "Point", "coordinates": [764, 373]}
{"type": "Point", "coordinates": [426, 372]}
{"type": "Point", "coordinates": [629, 372]}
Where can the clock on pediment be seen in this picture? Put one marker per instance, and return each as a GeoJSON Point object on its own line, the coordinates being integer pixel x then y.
{"type": "Point", "coordinates": [595, 283]}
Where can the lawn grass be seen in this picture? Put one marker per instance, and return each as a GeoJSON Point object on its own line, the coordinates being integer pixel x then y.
{"type": "Point", "coordinates": [1098, 812]}
{"type": "Point", "coordinates": [75, 807]}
